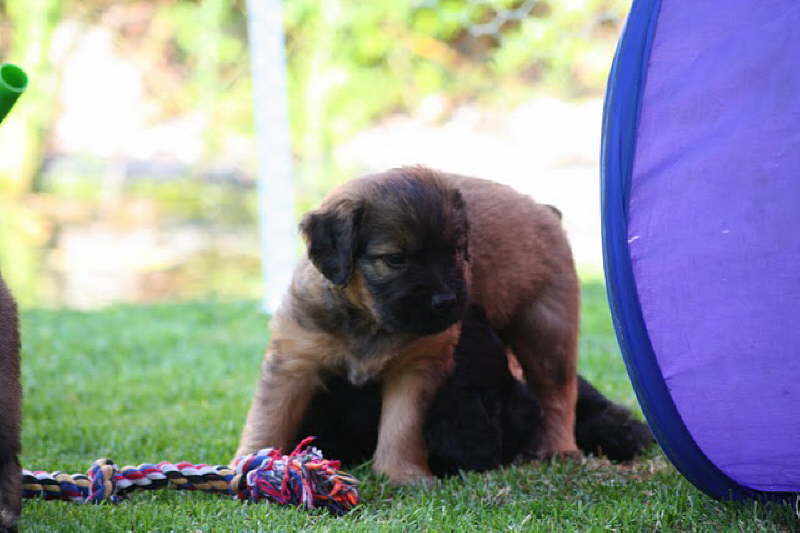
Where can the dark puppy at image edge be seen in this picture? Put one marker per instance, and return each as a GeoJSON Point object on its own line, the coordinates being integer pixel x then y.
{"type": "Point", "coordinates": [481, 418]}
{"type": "Point", "coordinates": [10, 406]}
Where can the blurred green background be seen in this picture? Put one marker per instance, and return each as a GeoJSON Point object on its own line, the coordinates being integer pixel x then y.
{"type": "Point", "coordinates": [127, 169]}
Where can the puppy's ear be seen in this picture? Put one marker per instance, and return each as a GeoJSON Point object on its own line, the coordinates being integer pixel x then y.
{"type": "Point", "coordinates": [331, 235]}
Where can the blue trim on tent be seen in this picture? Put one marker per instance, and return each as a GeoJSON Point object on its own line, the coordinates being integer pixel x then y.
{"type": "Point", "coordinates": [620, 123]}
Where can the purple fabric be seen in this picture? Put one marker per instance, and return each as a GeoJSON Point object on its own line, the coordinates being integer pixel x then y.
{"type": "Point", "coordinates": [714, 229]}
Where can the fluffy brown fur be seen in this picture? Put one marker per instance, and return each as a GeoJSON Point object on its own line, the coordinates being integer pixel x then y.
{"type": "Point", "coordinates": [393, 259]}
{"type": "Point", "coordinates": [10, 400]}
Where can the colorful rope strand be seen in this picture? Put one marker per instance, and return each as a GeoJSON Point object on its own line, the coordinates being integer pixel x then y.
{"type": "Point", "coordinates": [302, 479]}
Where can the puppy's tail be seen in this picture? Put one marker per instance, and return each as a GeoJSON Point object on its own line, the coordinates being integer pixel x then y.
{"type": "Point", "coordinates": [605, 428]}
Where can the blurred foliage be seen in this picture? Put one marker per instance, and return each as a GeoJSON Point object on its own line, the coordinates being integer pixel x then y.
{"type": "Point", "coordinates": [349, 64]}
{"type": "Point", "coordinates": [352, 62]}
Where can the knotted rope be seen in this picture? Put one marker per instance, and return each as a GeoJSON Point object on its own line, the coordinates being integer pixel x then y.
{"type": "Point", "coordinates": [302, 479]}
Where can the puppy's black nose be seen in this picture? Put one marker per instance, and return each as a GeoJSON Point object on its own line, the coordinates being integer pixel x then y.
{"type": "Point", "coordinates": [443, 302]}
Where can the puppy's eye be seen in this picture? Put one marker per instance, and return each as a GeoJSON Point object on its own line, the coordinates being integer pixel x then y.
{"type": "Point", "coordinates": [394, 260]}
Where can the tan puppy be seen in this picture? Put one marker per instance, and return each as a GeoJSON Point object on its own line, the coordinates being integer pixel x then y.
{"type": "Point", "coordinates": [393, 259]}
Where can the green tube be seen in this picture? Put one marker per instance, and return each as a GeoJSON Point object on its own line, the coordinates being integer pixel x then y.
{"type": "Point", "coordinates": [13, 82]}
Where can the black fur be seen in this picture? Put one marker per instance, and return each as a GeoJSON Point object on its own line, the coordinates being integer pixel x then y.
{"type": "Point", "coordinates": [344, 418]}
{"type": "Point", "coordinates": [480, 419]}
{"type": "Point", "coordinates": [606, 428]}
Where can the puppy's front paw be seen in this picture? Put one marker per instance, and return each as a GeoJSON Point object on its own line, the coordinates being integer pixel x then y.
{"type": "Point", "coordinates": [10, 495]}
{"type": "Point", "coordinates": [8, 519]}
{"type": "Point", "coordinates": [406, 474]}
{"type": "Point", "coordinates": [559, 444]}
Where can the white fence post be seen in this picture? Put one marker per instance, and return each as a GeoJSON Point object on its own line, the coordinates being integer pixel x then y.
{"type": "Point", "coordinates": [273, 147]}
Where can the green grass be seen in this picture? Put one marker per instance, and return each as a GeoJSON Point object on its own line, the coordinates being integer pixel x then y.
{"type": "Point", "coordinates": [173, 382]}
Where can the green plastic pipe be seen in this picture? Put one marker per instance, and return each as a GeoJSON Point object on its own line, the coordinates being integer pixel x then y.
{"type": "Point", "coordinates": [13, 82]}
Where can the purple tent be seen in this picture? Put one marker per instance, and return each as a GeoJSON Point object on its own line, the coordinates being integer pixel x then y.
{"type": "Point", "coordinates": [701, 229]}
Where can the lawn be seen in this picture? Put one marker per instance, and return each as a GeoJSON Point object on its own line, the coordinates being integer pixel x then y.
{"type": "Point", "coordinates": [173, 382]}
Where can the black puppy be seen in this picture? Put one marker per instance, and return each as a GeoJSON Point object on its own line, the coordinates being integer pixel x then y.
{"type": "Point", "coordinates": [10, 413]}
{"type": "Point", "coordinates": [481, 418]}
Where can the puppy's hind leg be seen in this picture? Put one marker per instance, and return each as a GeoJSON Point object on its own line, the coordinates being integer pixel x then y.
{"type": "Point", "coordinates": [544, 337]}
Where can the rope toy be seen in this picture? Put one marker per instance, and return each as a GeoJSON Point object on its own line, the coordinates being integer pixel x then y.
{"type": "Point", "coordinates": [302, 479]}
